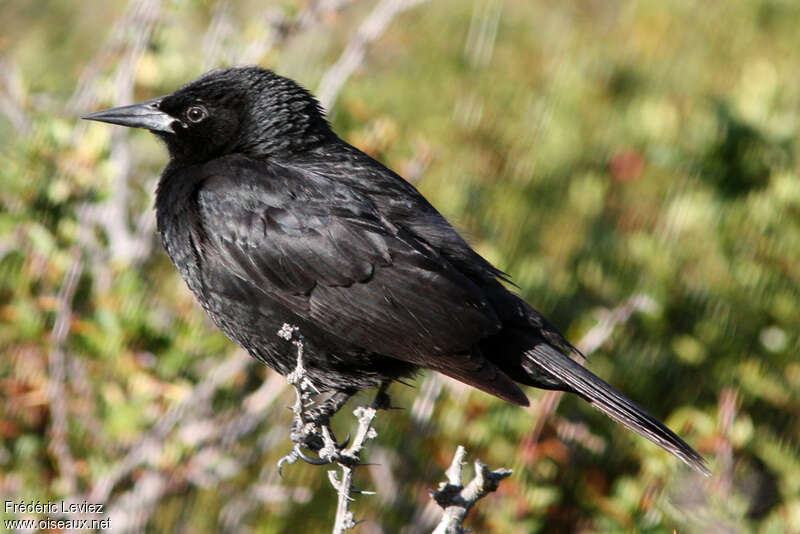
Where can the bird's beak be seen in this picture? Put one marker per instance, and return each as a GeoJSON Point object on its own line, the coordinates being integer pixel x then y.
{"type": "Point", "coordinates": [145, 115]}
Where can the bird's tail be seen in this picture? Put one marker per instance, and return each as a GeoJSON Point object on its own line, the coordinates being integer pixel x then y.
{"type": "Point", "coordinates": [608, 400]}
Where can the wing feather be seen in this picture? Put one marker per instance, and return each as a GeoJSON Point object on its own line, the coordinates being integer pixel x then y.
{"type": "Point", "coordinates": [294, 235]}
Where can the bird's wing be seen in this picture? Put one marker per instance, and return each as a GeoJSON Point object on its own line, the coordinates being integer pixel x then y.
{"type": "Point", "coordinates": [401, 203]}
{"type": "Point", "coordinates": [323, 250]}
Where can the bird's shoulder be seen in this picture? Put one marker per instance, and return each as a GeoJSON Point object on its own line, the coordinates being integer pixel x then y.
{"type": "Point", "coordinates": [254, 183]}
{"type": "Point", "coordinates": [399, 202]}
{"type": "Point", "coordinates": [289, 228]}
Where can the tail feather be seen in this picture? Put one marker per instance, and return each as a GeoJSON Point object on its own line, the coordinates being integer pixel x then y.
{"type": "Point", "coordinates": [608, 400]}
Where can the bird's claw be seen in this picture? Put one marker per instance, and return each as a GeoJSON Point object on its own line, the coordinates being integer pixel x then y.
{"type": "Point", "coordinates": [345, 443]}
{"type": "Point", "coordinates": [290, 458]}
{"type": "Point", "coordinates": [308, 459]}
{"type": "Point", "coordinates": [298, 454]}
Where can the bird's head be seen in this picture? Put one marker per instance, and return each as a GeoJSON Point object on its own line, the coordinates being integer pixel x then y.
{"type": "Point", "coordinates": [246, 110]}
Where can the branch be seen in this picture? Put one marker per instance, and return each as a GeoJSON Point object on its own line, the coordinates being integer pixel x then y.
{"type": "Point", "coordinates": [138, 20]}
{"type": "Point", "coordinates": [152, 444]}
{"type": "Point", "coordinates": [456, 500]}
{"type": "Point", "coordinates": [726, 414]}
{"type": "Point", "coordinates": [12, 97]}
{"type": "Point", "coordinates": [114, 214]}
{"type": "Point", "coordinates": [344, 484]}
{"type": "Point", "coordinates": [370, 30]}
{"type": "Point", "coordinates": [283, 28]}
{"type": "Point", "coordinates": [312, 430]}
{"type": "Point", "coordinates": [220, 44]}
{"type": "Point", "coordinates": [599, 334]}
{"type": "Point", "coordinates": [132, 510]}
{"type": "Point", "coordinates": [212, 435]}
{"type": "Point", "coordinates": [57, 368]}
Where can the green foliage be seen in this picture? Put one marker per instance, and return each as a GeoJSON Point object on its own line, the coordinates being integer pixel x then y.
{"type": "Point", "coordinates": [593, 151]}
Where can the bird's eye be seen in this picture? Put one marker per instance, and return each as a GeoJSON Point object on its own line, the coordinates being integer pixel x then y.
{"type": "Point", "coordinates": [196, 113]}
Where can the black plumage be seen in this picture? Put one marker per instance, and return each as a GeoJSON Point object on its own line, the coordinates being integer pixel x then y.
{"type": "Point", "coordinates": [271, 219]}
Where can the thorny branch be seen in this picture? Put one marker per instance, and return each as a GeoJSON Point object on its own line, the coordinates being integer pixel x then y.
{"type": "Point", "coordinates": [309, 428]}
{"type": "Point", "coordinates": [150, 444]}
{"type": "Point", "coordinates": [195, 423]}
{"type": "Point", "coordinates": [12, 97]}
{"type": "Point", "coordinates": [127, 245]}
{"type": "Point", "coordinates": [353, 55]}
{"type": "Point", "coordinates": [57, 366]}
{"type": "Point", "coordinates": [219, 46]}
{"type": "Point", "coordinates": [456, 499]}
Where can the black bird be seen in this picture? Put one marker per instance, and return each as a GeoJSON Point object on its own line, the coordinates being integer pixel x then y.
{"type": "Point", "coordinates": [272, 219]}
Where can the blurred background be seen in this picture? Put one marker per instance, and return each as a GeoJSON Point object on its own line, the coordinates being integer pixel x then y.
{"type": "Point", "coordinates": [632, 165]}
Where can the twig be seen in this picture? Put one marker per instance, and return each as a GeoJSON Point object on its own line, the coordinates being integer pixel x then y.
{"type": "Point", "coordinates": [456, 500]}
{"type": "Point", "coordinates": [600, 333]}
{"type": "Point", "coordinates": [152, 443]}
{"type": "Point", "coordinates": [353, 55]}
{"type": "Point", "coordinates": [219, 29]}
{"type": "Point", "coordinates": [482, 33]}
{"type": "Point", "coordinates": [128, 38]}
{"type": "Point", "coordinates": [344, 484]}
{"type": "Point", "coordinates": [415, 168]}
{"type": "Point", "coordinates": [212, 434]}
{"type": "Point", "coordinates": [137, 21]}
{"type": "Point", "coordinates": [12, 97]}
{"type": "Point", "coordinates": [726, 415]}
{"type": "Point", "coordinates": [57, 367]}
{"type": "Point", "coordinates": [126, 245]}
{"type": "Point", "coordinates": [284, 28]}
{"type": "Point", "coordinates": [309, 429]}
{"type": "Point", "coordinates": [133, 509]}
{"type": "Point", "coordinates": [425, 401]}
{"type": "Point", "coordinates": [254, 406]}
{"type": "Point", "coordinates": [217, 51]}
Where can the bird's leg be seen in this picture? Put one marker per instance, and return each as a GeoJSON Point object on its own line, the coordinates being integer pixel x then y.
{"type": "Point", "coordinates": [311, 429]}
{"type": "Point", "coordinates": [320, 417]}
{"type": "Point", "coordinates": [382, 400]}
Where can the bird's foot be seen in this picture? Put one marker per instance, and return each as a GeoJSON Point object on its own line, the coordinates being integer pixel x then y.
{"type": "Point", "coordinates": [311, 428]}
{"type": "Point", "coordinates": [311, 431]}
{"type": "Point", "coordinates": [317, 437]}
{"type": "Point", "coordinates": [312, 425]}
